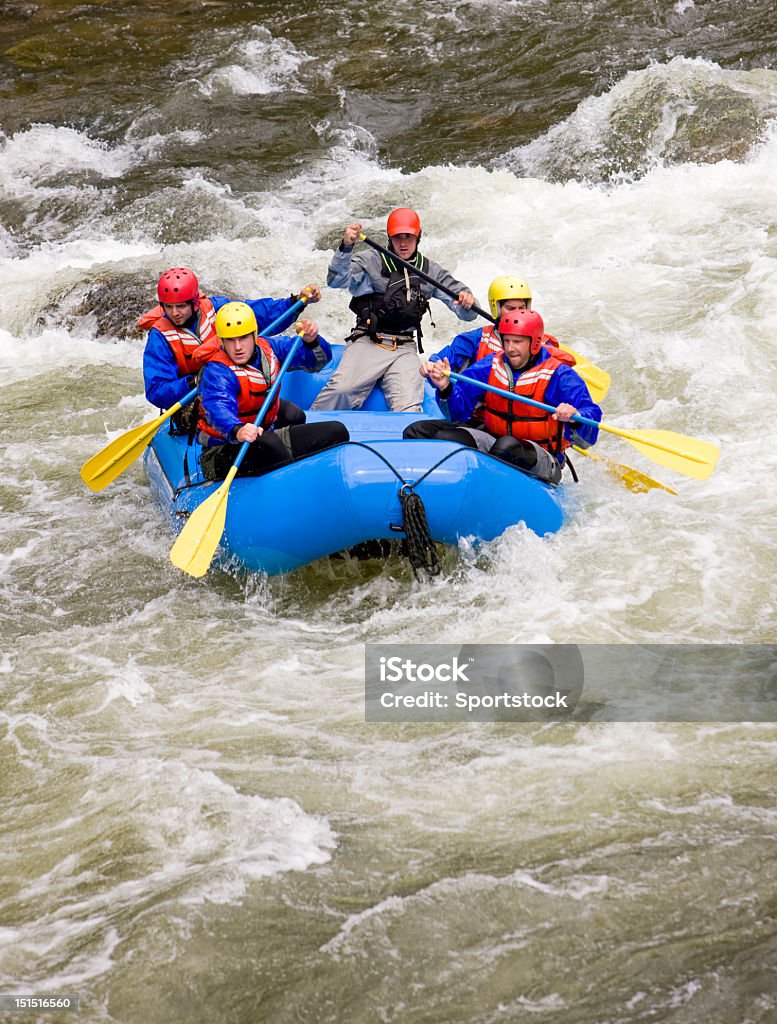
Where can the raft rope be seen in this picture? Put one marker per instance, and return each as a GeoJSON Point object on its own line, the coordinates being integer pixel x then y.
{"type": "Point", "coordinates": [421, 549]}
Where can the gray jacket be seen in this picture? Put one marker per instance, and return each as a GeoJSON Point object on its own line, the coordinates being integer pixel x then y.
{"type": "Point", "coordinates": [362, 274]}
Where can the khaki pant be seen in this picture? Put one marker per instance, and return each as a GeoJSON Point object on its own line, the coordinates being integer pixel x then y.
{"type": "Point", "coordinates": [365, 364]}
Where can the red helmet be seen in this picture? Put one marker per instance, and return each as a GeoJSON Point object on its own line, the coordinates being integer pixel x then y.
{"type": "Point", "coordinates": [179, 285]}
{"type": "Point", "coordinates": [525, 322]}
{"type": "Point", "coordinates": [403, 221]}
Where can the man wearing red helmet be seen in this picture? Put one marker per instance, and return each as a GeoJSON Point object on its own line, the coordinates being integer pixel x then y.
{"type": "Point", "coordinates": [530, 438]}
{"type": "Point", "coordinates": [182, 337]}
{"type": "Point", "coordinates": [389, 301]}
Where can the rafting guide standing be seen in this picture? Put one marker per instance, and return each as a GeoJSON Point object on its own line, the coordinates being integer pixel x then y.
{"type": "Point", "coordinates": [389, 301]}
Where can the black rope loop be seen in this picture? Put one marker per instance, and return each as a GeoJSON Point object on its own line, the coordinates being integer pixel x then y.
{"type": "Point", "coordinates": [421, 549]}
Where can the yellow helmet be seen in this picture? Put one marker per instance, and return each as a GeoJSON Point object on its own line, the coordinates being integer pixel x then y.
{"type": "Point", "coordinates": [507, 287]}
{"type": "Point", "coordinates": [234, 320]}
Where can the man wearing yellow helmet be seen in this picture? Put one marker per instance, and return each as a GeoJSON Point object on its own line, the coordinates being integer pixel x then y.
{"type": "Point", "coordinates": [505, 294]}
{"type": "Point", "coordinates": [234, 384]}
{"type": "Point", "coordinates": [389, 300]}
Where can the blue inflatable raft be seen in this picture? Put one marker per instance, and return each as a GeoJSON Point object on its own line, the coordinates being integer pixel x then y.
{"type": "Point", "coordinates": [346, 496]}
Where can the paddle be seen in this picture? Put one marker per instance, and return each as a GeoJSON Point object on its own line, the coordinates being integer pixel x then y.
{"type": "Point", "coordinates": [114, 458]}
{"type": "Point", "coordinates": [637, 482]}
{"type": "Point", "coordinates": [597, 380]}
{"type": "Point", "coordinates": [196, 545]}
{"type": "Point", "coordinates": [685, 455]}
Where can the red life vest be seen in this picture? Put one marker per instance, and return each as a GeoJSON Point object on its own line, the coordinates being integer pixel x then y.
{"type": "Point", "coordinates": [191, 350]}
{"type": "Point", "coordinates": [489, 342]}
{"type": "Point", "coordinates": [502, 416]}
{"type": "Point", "coordinates": [254, 383]}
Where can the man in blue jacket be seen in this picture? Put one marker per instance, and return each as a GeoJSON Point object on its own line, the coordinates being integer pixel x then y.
{"type": "Point", "coordinates": [531, 439]}
{"type": "Point", "coordinates": [182, 337]}
{"type": "Point", "coordinates": [233, 388]}
{"type": "Point", "coordinates": [505, 294]}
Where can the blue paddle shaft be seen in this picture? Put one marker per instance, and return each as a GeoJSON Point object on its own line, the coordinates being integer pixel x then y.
{"type": "Point", "coordinates": [577, 418]}
{"type": "Point", "coordinates": [270, 397]}
{"type": "Point", "coordinates": [189, 398]}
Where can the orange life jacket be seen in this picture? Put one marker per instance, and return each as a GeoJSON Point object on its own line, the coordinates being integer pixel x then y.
{"type": "Point", "coordinates": [489, 342]}
{"type": "Point", "coordinates": [502, 416]}
{"type": "Point", "coordinates": [191, 350]}
{"type": "Point", "coordinates": [254, 383]}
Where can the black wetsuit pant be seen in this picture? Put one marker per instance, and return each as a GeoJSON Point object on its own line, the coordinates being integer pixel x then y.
{"type": "Point", "coordinates": [289, 415]}
{"type": "Point", "coordinates": [524, 455]}
{"type": "Point", "coordinates": [273, 449]}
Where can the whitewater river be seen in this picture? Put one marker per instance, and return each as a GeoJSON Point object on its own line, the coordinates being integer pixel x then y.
{"type": "Point", "coordinates": [196, 822]}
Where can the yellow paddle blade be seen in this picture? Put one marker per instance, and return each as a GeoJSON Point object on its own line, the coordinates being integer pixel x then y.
{"type": "Point", "coordinates": [196, 545]}
{"type": "Point", "coordinates": [114, 458]}
{"type": "Point", "coordinates": [686, 455]}
{"type": "Point", "coordinates": [597, 379]}
{"type": "Point", "coordinates": [637, 482]}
